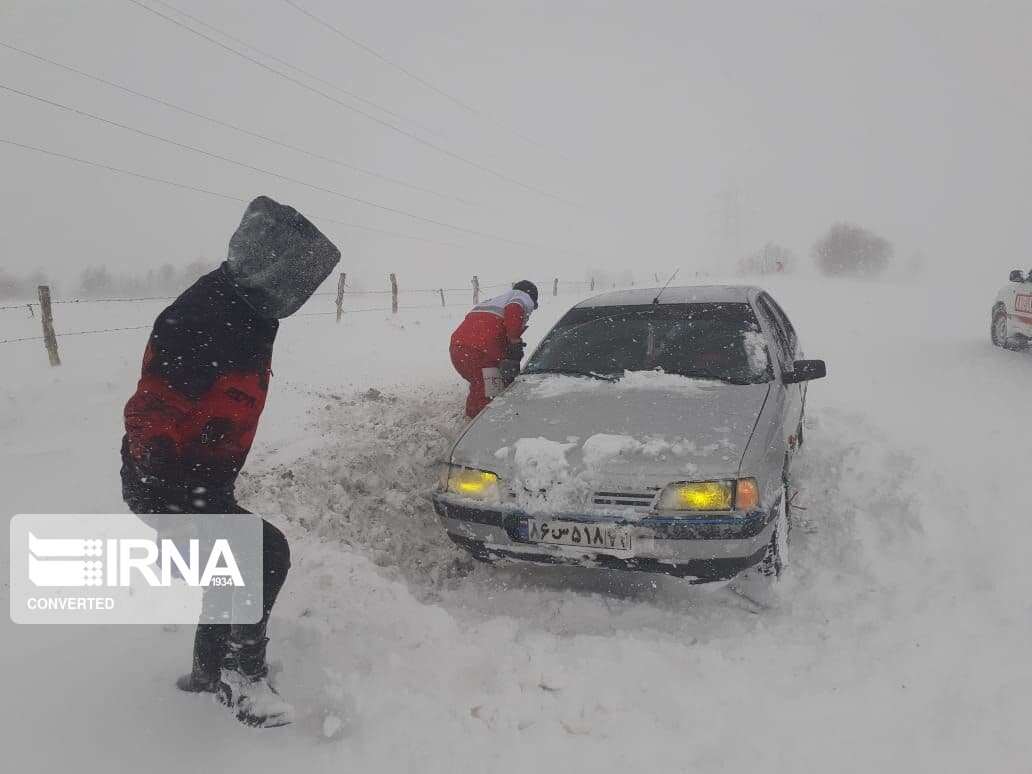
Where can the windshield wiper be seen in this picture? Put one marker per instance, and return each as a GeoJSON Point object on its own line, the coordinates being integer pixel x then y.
{"type": "Point", "coordinates": [736, 380]}
{"type": "Point", "coordinates": [572, 372]}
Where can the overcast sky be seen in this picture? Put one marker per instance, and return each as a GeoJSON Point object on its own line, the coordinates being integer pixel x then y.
{"type": "Point", "coordinates": [572, 136]}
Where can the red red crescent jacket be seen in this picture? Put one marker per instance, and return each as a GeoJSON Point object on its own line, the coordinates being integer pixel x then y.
{"type": "Point", "coordinates": [493, 323]}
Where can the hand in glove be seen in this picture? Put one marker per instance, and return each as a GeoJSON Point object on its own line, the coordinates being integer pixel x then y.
{"type": "Point", "coordinates": [509, 370]}
{"type": "Point", "coordinates": [515, 351]}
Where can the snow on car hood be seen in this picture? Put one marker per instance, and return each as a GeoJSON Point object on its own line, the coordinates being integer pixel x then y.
{"type": "Point", "coordinates": [564, 437]}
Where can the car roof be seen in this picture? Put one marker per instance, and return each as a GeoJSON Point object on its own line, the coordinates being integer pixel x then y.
{"type": "Point", "coordinates": [683, 294]}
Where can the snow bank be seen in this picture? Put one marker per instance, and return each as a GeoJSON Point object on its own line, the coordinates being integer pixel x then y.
{"type": "Point", "coordinates": [897, 641]}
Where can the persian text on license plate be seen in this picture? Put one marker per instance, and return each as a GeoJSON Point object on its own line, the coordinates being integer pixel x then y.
{"type": "Point", "coordinates": [564, 533]}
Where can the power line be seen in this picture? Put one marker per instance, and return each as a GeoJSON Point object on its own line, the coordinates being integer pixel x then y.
{"type": "Point", "coordinates": [322, 189]}
{"type": "Point", "coordinates": [287, 178]}
{"type": "Point", "coordinates": [373, 52]}
{"type": "Point", "coordinates": [227, 125]}
{"type": "Point", "coordinates": [424, 82]}
{"type": "Point", "coordinates": [119, 170]}
{"type": "Point", "coordinates": [582, 167]}
{"type": "Point", "coordinates": [393, 127]}
{"type": "Point", "coordinates": [290, 66]}
{"type": "Point", "coordinates": [217, 194]}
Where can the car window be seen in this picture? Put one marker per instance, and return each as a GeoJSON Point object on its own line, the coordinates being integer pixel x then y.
{"type": "Point", "coordinates": [703, 340]}
{"type": "Point", "coordinates": [780, 336]}
{"type": "Point", "coordinates": [786, 325]}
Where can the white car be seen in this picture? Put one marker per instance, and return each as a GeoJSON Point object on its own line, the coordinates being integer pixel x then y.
{"type": "Point", "coordinates": [651, 430]}
{"type": "Point", "coordinates": [1012, 312]}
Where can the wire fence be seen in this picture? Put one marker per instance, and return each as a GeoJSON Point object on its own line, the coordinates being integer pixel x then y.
{"type": "Point", "coordinates": [341, 296]}
{"type": "Point", "coordinates": [350, 292]}
{"type": "Point", "coordinates": [77, 333]}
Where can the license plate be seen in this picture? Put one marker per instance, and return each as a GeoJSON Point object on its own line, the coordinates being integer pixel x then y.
{"type": "Point", "coordinates": [611, 537]}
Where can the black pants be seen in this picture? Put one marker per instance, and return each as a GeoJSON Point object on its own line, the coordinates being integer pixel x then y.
{"type": "Point", "coordinates": [211, 641]}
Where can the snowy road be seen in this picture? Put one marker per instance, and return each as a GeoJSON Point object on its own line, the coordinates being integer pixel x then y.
{"type": "Point", "coordinates": [898, 642]}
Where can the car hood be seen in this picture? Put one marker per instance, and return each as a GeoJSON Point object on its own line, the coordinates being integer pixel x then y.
{"type": "Point", "coordinates": [647, 427]}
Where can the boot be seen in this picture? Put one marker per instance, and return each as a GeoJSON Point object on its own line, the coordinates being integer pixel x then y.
{"type": "Point", "coordinates": [210, 644]}
{"type": "Point", "coordinates": [193, 683]}
{"type": "Point", "coordinates": [245, 686]}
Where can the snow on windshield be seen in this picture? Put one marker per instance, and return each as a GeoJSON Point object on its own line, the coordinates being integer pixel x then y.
{"type": "Point", "coordinates": [549, 385]}
{"type": "Point", "coordinates": [756, 350]}
{"type": "Point", "coordinates": [704, 340]}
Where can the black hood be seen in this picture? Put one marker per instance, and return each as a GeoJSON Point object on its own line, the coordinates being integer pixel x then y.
{"type": "Point", "coordinates": [277, 258]}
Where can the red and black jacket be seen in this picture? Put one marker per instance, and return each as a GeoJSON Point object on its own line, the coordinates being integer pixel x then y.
{"type": "Point", "coordinates": [193, 417]}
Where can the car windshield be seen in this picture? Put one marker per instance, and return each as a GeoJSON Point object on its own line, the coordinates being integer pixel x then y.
{"type": "Point", "coordinates": [709, 341]}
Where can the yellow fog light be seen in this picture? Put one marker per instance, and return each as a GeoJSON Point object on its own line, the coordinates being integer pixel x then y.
{"type": "Point", "coordinates": [475, 484]}
{"type": "Point", "coordinates": [698, 496]}
{"type": "Point", "coordinates": [740, 495]}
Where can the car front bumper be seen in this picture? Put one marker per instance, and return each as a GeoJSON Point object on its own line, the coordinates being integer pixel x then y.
{"type": "Point", "coordinates": [712, 548]}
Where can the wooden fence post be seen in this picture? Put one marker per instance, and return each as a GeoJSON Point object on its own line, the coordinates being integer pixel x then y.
{"type": "Point", "coordinates": [555, 287]}
{"type": "Point", "coordinates": [442, 297]}
{"type": "Point", "coordinates": [340, 294]}
{"type": "Point", "coordinates": [476, 290]}
{"type": "Point", "coordinates": [47, 316]}
{"type": "Point", "coordinates": [394, 293]}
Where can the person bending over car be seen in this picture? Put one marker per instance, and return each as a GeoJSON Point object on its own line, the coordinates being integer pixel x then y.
{"type": "Point", "coordinates": [190, 424]}
{"type": "Point", "coordinates": [490, 333]}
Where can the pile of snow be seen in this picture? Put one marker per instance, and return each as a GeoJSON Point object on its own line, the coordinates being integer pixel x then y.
{"type": "Point", "coordinates": [368, 483]}
{"type": "Point", "coordinates": [545, 480]}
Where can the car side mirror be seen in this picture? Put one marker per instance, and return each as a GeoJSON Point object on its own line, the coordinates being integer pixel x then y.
{"type": "Point", "coordinates": [1017, 276]}
{"type": "Point", "coordinates": [806, 371]}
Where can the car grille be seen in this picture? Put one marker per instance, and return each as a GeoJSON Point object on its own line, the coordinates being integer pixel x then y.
{"type": "Point", "coordinates": [609, 498]}
{"type": "Point", "coordinates": [626, 499]}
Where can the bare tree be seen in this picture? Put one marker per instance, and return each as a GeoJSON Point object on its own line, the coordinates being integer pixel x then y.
{"type": "Point", "coordinates": [96, 281]}
{"type": "Point", "coordinates": [166, 280]}
{"type": "Point", "coordinates": [848, 250]}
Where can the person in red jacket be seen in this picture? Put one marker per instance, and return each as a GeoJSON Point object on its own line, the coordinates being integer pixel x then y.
{"type": "Point", "coordinates": [492, 332]}
{"type": "Point", "coordinates": [191, 422]}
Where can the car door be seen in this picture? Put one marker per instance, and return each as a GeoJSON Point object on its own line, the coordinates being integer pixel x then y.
{"type": "Point", "coordinates": [1008, 297]}
{"type": "Point", "coordinates": [786, 352]}
{"type": "Point", "coordinates": [795, 348]}
{"type": "Point", "coordinates": [1019, 308]}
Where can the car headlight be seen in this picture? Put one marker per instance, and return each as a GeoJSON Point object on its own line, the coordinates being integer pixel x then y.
{"type": "Point", "coordinates": [475, 484]}
{"type": "Point", "coordinates": [735, 495]}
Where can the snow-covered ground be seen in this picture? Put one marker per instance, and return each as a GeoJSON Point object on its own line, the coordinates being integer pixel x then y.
{"type": "Point", "coordinates": [898, 642]}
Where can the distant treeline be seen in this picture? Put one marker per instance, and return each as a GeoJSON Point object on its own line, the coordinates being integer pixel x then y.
{"type": "Point", "coordinates": [100, 282]}
{"type": "Point", "coordinates": [21, 288]}
{"type": "Point", "coordinates": [845, 250]}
